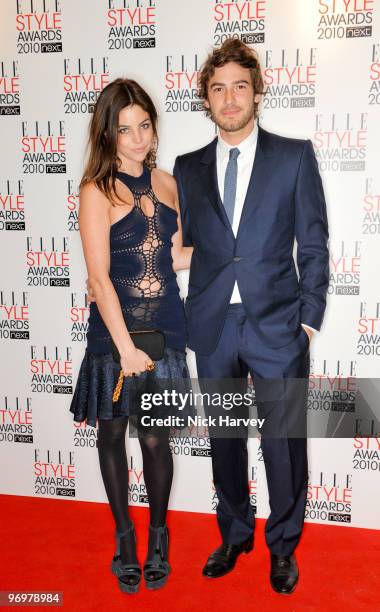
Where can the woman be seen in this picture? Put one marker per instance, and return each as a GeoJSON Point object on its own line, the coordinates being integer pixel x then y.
{"type": "Point", "coordinates": [132, 241]}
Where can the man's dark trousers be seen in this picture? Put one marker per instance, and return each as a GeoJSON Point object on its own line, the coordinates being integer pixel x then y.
{"type": "Point", "coordinates": [238, 352]}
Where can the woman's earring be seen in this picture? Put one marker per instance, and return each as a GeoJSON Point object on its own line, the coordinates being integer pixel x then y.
{"type": "Point", "coordinates": [153, 152]}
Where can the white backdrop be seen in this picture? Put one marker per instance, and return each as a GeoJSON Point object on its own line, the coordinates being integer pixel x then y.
{"type": "Point", "coordinates": [321, 61]}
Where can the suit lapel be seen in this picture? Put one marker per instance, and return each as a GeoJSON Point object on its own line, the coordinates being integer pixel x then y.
{"type": "Point", "coordinates": [260, 176]}
{"type": "Point", "coordinates": [209, 178]}
{"type": "Point", "coordinates": [259, 181]}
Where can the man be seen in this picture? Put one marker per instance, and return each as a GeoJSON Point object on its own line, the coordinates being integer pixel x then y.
{"type": "Point", "coordinates": [244, 199]}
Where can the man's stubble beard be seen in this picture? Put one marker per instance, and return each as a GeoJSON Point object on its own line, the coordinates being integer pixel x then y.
{"type": "Point", "coordinates": [234, 127]}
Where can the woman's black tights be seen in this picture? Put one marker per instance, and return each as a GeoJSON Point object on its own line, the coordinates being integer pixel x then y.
{"type": "Point", "coordinates": [157, 466]}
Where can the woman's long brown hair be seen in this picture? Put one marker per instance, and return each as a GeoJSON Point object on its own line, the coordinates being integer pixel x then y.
{"type": "Point", "coordinates": [102, 162]}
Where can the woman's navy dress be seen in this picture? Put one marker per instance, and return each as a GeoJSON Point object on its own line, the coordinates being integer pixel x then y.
{"type": "Point", "coordinates": [141, 270]}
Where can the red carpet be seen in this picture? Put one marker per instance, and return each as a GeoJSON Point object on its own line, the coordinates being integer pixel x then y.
{"type": "Point", "coordinates": [48, 544]}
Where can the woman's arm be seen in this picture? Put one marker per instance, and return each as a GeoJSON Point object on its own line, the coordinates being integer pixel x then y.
{"type": "Point", "coordinates": [94, 226]}
{"type": "Point", "coordinates": [181, 255]}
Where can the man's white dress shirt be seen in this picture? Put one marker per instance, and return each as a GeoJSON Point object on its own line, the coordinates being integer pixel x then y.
{"type": "Point", "coordinates": [245, 161]}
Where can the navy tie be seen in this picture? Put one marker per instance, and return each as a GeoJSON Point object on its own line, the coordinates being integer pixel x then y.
{"type": "Point", "coordinates": [230, 181]}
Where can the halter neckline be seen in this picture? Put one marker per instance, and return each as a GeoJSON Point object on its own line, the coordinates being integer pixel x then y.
{"type": "Point", "coordinates": [136, 182]}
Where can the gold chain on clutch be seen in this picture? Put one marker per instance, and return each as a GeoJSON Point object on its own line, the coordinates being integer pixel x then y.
{"type": "Point", "coordinates": [116, 394]}
{"type": "Point", "coordinates": [117, 391]}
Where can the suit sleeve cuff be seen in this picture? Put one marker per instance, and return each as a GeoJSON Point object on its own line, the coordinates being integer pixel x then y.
{"type": "Point", "coordinates": [316, 331]}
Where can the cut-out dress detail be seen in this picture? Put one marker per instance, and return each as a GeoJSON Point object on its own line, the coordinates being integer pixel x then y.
{"type": "Point", "coordinates": [141, 270]}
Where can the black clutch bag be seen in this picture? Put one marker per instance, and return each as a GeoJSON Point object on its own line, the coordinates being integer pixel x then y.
{"type": "Point", "coordinates": [152, 342]}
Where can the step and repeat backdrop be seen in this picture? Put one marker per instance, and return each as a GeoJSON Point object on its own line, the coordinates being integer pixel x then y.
{"type": "Point", "coordinates": [321, 64]}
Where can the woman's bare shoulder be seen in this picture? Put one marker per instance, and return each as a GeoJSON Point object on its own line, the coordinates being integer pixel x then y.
{"type": "Point", "coordinates": [91, 198]}
{"type": "Point", "coordinates": [92, 189]}
{"type": "Point", "coordinates": [166, 178]}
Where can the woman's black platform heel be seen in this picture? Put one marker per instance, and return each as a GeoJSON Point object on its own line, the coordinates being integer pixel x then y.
{"type": "Point", "coordinates": [128, 574]}
{"type": "Point", "coordinates": [157, 568]}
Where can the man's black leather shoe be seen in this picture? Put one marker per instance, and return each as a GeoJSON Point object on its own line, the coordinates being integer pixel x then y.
{"type": "Point", "coordinates": [284, 573]}
{"type": "Point", "coordinates": [223, 559]}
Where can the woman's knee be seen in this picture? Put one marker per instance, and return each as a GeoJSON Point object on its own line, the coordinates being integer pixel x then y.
{"type": "Point", "coordinates": [154, 447]}
{"type": "Point", "coordinates": [112, 431]}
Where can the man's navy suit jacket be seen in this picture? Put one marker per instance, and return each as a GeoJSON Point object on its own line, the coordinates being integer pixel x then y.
{"type": "Point", "coordinates": [284, 201]}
